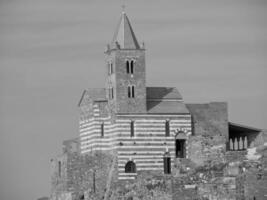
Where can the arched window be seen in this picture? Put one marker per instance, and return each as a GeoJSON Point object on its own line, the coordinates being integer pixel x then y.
{"type": "Point", "coordinates": [132, 66]}
{"type": "Point", "coordinates": [132, 91]}
{"type": "Point", "coordinates": [128, 66]}
{"type": "Point", "coordinates": [130, 167]}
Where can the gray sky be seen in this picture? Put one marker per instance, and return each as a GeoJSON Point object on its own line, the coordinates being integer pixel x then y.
{"type": "Point", "coordinates": [50, 50]}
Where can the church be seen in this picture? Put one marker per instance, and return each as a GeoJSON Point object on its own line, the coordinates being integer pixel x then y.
{"type": "Point", "coordinates": [140, 123]}
{"type": "Point", "coordinates": [140, 128]}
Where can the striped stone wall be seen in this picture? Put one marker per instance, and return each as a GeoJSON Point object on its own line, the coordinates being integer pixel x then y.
{"type": "Point", "coordinates": [146, 148]}
{"type": "Point", "coordinates": [149, 143]}
{"type": "Point", "coordinates": [90, 132]}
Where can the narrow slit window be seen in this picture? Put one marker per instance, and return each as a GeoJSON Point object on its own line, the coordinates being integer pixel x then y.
{"type": "Point", "coordinates": [167, 128]}
{"type": "Point", "coordinates": [111, 68]}
{"type": "Point", "coordinates": [112, 93]}
{"type": "Point", "coordinates": [109, 93]}
{"type": "Point", "coordinates": [132, 66]}
{"type": "Point", "coordinates": [132, 128]}
{"type": "Point", "coordinates": [132, 91]}
{"type": "Point", "coordinates": [59, 168]}
{"type": "Point", "coordinates": [129, 91]}
{"type": "Point", "coordinates": [102, 130]}
{"type": "Point", "coordinates": [127, 66]}
{"type": "Point", "coordinates": [167, 164]}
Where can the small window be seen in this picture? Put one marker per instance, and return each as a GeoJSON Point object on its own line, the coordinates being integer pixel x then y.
{"type": "Point", "coordinates": [132, 128]}
{"type": "Point", "coordinates": [167, 128]}
{"type": "Point", "coordinates": [132, 91]}
{"type": "Point", "coordinates": [59, 168]}
{"type": "Point", "coordinates": [129, 91]}
{"type": "Point", "coordinates": [112, 93]}
{"type": "Point", "coordinates": [132, 67]}
{"type": "Point", "coordinates": [102, 130]}
{"type": "Point", "coordinates": [128, 67]}
{"type": "Point", "coordinates": [109, 93]}
{"type": "Point", "coordinates": [111, 68]}
{"type": "Point", "coordinates": [167, 164]}
{"type": "Point", "coordinates": [130, 167]}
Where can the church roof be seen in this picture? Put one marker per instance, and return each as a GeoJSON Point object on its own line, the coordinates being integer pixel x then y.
{"type": "Point", "coordinates": [160, 100]}
{"type": "Point", "coordinates": [124, 34]}
{"type": "Point", "coordinates": [95, 94]}
{"type": "Point", "coordinates": [166, 107]}
{"type": "Point", "coordinates": [163, 100]}
{"type": "Point", "coordinates": [163, 93]}
{"type": "Point", "coordinates": [242, 128]}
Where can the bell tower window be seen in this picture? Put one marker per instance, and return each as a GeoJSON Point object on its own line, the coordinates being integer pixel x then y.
{"type": "Point", "coordinates": [131, 92]}
{"type": "Point", "coordinates": [132, 66]}
{"type": "Point", "coordinates": [128, 67]}
{"type": "Point", "coordinates": [110, 68]}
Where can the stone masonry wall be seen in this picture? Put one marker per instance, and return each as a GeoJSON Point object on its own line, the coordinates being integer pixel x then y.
{"type": "Point", "coordinates": [86, 176]}
{"type": "Point", "coordinates": [210, 132]}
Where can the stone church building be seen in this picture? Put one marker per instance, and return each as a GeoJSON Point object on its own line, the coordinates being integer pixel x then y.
{"type": "Point", "coordinates": [129, 131]}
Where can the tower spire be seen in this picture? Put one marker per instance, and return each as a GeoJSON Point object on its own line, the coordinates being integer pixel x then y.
{"type": "Point", "coordinates": [124, 37]}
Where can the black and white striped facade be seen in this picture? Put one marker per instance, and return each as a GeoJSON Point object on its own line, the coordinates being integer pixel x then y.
{"type": "Point", "coordinates": [146, 148]}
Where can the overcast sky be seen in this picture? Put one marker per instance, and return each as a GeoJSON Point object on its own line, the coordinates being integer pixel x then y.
{"type": "Point", "coordinates": [50, 50]}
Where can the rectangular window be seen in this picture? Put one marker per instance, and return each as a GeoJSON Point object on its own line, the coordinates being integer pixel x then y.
{"type": "Point", "coordinates": [132, 66]}
{"type": "Point", "coordinates": [59, 168]}
{"type": "Point", "coordinates": [112, 93]}
{"type": "Point", "coordinates": [127, 67]}
{"type": "Point", "coordinates": [111, 68]}
{"type": "Point", "coordinates": [167, 128]}
{"type": "Point", "coordinates": [129, 92]}
{"type": "Point", "coordinates": [132, 128]}
{"type": "Point", "coordinates": [102, 130]}
{"type": "Point", "coordinates": [132, 91]}
{"type": "Point", "coordinates": [167, 165]}
{"type": "Point", "coordinates": [109, 93]}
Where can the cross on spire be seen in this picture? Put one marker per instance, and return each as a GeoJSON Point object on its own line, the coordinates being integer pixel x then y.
{"type": "Point", "coordinates": [123, 6]}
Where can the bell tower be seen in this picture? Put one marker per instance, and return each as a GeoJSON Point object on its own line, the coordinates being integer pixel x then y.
{"type": "Point", "coordinates": [125, 61]}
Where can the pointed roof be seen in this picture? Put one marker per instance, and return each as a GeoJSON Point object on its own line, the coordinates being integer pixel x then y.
{"type": "Point", "coordinates": [124, 34]}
